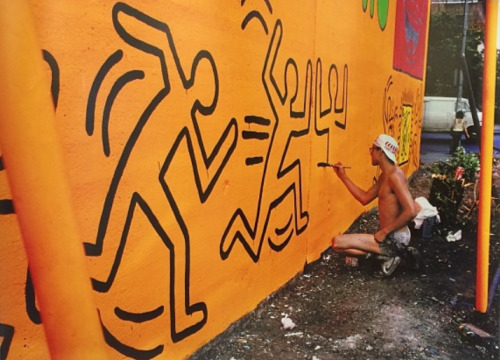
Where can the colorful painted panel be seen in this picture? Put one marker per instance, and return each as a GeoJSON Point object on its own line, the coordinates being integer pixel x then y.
{"type": "Point", "coordinates": [410, 38]}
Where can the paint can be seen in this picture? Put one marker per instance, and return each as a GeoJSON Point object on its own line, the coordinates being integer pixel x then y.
{"type": "Point", "coordinates": [351, 261]}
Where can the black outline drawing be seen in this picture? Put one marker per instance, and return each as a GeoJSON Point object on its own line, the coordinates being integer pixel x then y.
{"type": "Point", "coordinates": [189, 137]}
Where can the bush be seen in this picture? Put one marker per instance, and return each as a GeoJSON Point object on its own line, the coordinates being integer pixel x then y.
{"type": "Point", "coordinates": [450, 178]}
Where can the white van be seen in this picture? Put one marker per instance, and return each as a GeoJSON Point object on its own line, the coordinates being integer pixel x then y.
{"type": "Point", "coordinates": [439, 113]}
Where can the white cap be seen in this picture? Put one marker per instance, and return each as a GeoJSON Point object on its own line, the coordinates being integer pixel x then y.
{"type": "Point", "coordinates": [388, 145]}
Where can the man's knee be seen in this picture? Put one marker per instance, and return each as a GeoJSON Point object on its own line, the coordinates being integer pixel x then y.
{"type": "Point", "coordinates": [335, 243]}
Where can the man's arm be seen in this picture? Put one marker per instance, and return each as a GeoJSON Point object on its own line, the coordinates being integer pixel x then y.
{"type": "Point", "coordinates": [409, 207]}
{"type": "Point", "coordinates": [364, 197]}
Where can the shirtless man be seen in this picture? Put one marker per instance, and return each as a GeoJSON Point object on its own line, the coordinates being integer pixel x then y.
{"type": "Point", "coordinates": [396, 208]}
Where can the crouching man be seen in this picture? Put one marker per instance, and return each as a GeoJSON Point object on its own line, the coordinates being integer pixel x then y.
{"type": "Point", "coordinates": [396, 209]}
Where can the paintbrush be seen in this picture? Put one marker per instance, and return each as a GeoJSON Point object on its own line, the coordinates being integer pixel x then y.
{"type": "Point", "coordinates": [325, 164]}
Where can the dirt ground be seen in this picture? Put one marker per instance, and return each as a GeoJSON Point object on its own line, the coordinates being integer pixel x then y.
{"type": "Point", "coordinates": [346, 313]}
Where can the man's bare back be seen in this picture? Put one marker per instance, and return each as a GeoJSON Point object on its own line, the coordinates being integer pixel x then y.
{"type": "Point", "coordinates": [389, 206]}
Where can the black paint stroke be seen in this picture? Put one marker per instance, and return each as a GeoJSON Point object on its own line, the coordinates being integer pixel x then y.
{"type": "Point", "coordinates": [280, 232]}
{"type": "Point", "coordinates": [7, 333]}
{"type": "Point", "coordinates": [284, 229]}
{"type": "Point", "coordinates": [318, 129]}
{"type": "Point", "coordinates": [138, 317]}
{"type": "Point", "coordinates": [6, 205]}
{"type": "Point", "coordinates": [30, 298]}
{"type": "Point", "coordinates": [254, 15]}
{"type": "Point", "coordinates": [254, 135]}
{"type": "Point", "coordinates": [115, 90]}
{"type": "Point", "coordinates": [55, 75]}
{"type": "Point", "coordinates": [343, 108]}
{"type": "Point", "coordinates": [252, 119]}
{"type": "Point", "coordinates": [129, 351]}
{"type": "Point", "coordinates": [96, 85]}
{"type": "Point", "coordinates": [249, 161]}
{"type": "Point", "coordinates": [387, 108]}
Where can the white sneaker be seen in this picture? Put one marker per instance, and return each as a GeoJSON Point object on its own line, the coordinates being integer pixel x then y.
{"type": "Point", "coordinates": [390, 265]}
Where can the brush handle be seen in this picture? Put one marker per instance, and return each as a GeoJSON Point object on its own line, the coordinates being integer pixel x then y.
{"type": "Point", "coordinates": [325, 164]}
{"type": "Point", "coordinates": [340, 166]}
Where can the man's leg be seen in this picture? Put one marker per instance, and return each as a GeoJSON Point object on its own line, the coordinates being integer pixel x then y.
{"type": "Point", "coordinates": [396, 244]}
{"type": "Point", "coordinates": [355, 244]}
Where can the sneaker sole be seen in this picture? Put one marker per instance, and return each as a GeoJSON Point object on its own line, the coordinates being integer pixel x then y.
{"type": "Point", "coordinates": [389, 270]}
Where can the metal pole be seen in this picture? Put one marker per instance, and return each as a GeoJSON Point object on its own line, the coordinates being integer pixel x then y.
{"type": "Point", "coordinates": [37, 179]}
{"type": "Point", "coordinates": [485, 176]}
{"type": "Point", "coordinates": [462, 54]}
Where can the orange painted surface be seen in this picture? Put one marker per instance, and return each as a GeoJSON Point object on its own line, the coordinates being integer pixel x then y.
{"type": "Point", "coordinates": [191, 133]}
{"type": "Point", "coordinates": [56, 260]}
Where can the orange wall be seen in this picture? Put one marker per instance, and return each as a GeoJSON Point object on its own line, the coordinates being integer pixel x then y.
{"type": "Point", "coordinates": [191, 133]}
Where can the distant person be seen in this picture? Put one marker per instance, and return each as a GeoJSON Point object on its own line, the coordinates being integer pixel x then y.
{"type": "Point", "coordinates": [457, 130]}
{"type": "Point", "coordinates": [396, 209]}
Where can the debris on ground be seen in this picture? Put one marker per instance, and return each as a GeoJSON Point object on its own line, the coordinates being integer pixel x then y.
{"type": "Point", "coordinates": [342, 312]}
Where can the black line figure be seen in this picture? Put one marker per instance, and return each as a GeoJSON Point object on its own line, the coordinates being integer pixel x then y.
{"type": "Point", "coordinates": [154, 198]}
{"type": "Point", "coordinates": [282, 175]}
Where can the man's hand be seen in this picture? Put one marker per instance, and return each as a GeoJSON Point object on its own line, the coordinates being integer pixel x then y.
{"type": "Point", "coordinates": [380, 236]}
{"type": "Point", "coordinates": [339, 170]}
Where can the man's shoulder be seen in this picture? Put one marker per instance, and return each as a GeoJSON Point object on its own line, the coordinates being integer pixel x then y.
{"type": "Point", "coordinates": [396, 174]}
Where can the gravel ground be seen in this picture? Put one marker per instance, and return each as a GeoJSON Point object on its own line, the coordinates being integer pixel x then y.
{"type": "Point", "coordinates": [337, 312]}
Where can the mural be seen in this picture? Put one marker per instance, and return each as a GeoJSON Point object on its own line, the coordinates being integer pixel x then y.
{"type": "Point", "coordinates": [192, 133]}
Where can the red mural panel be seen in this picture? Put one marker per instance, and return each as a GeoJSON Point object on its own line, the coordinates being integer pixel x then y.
{"type": "Point", "coordinates": [410, 37]}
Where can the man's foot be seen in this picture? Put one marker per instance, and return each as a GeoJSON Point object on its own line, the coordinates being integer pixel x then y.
{"type": "Point", "coordinates": [390, 265]}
